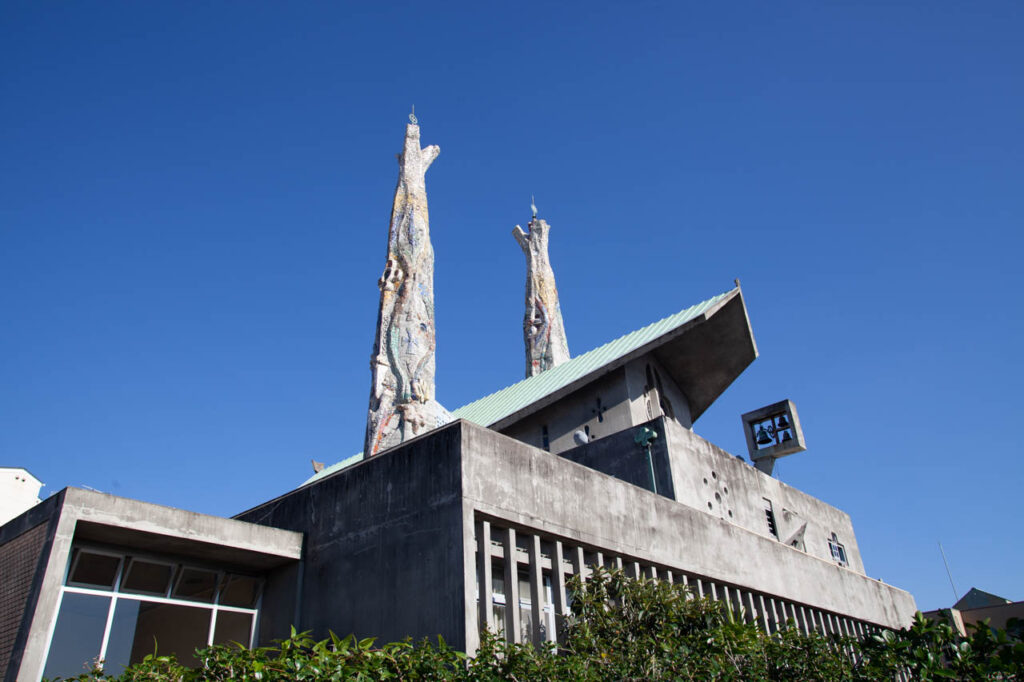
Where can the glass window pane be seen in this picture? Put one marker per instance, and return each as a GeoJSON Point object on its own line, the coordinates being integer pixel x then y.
{"type": "Point", "coordinates": [147, 577]}
{"type": "Point", "coordinates": [196, 584]}
{"type": "Point", "coordinates": [499, 619]}
{"type": "Point", "coordinates": [170, 629]}
{"type": "Point", "coordinates": [232, 627]}
{"type": "Point", "coordinates": [240, 590]}
{"type": "Point", "coordinates": [525, 593]}
{"type": "Point", "coordinates": [122, 636]}
{"type": "Point", "coordinates": [498, 579]}
{"type": "Point", "coordinates": [95, 570]}
{"type": "Point", "coordinates": [78, 635]}
{"type": "Point", "coordinates": [526, 624]}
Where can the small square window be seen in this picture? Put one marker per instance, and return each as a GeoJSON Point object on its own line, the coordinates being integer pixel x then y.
{"type": "Point", "coordinates": [837, 550]}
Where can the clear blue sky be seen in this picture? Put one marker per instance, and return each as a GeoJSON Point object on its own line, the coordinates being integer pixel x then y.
{"type": "Point", "coordinates": [194, 201]}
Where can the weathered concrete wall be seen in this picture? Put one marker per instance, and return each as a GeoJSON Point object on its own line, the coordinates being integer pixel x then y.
{"type": "Point", "coordinates": [384, 553]}
{"type": "Point", "coordinates": [650, 386]}
{"type": "Point", "coordinates": [713, 481]}
{"type": "Point", "coordinates": [619, 455]}
{"type": "Point", "coordinates": [579, 411]}
{"type": "Point", "coordinates": [522, 485]}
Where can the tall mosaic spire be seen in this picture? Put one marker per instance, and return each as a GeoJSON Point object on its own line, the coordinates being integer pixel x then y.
{"type": "Point", "coordinates": [543, 329]}
{"type": "Point", "coordinates": [402, 403]}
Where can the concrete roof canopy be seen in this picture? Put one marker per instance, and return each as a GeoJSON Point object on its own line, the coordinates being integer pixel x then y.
{"type": "Point", "coordinates": [704, 347]}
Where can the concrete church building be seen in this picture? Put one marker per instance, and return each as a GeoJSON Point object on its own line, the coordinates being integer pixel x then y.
{"type": "Point", "coordinates": [456, 521]}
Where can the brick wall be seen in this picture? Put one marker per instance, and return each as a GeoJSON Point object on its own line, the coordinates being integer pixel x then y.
{"type": "Point", "coordinates": [18, 560]}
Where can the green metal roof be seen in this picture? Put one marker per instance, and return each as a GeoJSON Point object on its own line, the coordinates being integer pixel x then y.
{"type": "Point", "coordinates": [496, 406]}
{"type": "Point", "coordinates": [501, 404]}
{"type": "Point", "coordinates": [337, 466]}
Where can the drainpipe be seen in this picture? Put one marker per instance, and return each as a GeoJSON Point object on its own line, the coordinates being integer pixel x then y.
{"type": "Point", "coordinates": [643, 438]}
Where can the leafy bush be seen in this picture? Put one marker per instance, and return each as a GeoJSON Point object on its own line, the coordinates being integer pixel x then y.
{"type": "Point", "coordinates": [622, 629]}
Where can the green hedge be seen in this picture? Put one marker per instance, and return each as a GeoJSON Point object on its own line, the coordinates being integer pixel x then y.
{"type": "Point", "coordinates": [624, 629]}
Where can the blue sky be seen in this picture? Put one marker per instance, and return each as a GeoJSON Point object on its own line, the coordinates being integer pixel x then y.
{"type": "Point", "coordinates": [194, 202]}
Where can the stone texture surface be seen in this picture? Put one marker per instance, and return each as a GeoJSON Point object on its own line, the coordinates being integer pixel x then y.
{"type": "Point", "coordinates": [543, 330]}
{"type": "Point", "coordinates": [402, 403]}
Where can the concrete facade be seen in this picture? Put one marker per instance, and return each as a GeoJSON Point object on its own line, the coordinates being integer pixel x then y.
{"type": "Point", "coordinates": [465, 527]}
{"type": "Point", "coordinates": [395, 540]}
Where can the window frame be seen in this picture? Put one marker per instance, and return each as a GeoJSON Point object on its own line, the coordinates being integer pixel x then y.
{"type": "Point", "coordinates": [116, 593]}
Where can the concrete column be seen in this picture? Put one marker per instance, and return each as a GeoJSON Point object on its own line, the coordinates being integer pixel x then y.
{"type": "Point", "coordinates": [536, 589]}
{"type": "Point", "coordinates": [579, 565]}
{"type": "Point", "coordinates": [652, 573]}
{"type": "Point", "coordinates": [775, 615]}
{"type": "Point", "coordinates": [485, 591]}
{"type": "Point", "coordinates": [755, 610]}
{"type": "Point", "coordinates": [618, 563]}
{"type": "Point", "coordinates": [558, 590]}
{"type": "Point", "coordinates": [512, 621]}
{"type": "Point", "coordinates": [766, 619]}
{"type": "Point", "coordinates": [634, 570]}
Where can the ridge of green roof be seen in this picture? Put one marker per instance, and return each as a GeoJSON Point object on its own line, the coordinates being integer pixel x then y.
{"type": "Point", "coordinates": [509, 400]}
{"type": "Point", "coordinates": [494, 407]}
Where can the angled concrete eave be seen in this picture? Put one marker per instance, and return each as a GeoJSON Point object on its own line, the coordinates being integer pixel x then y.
{"type": "Point", "coordinates": [704, 355]}
{"type": "Point", "coordinates": [705, 358]}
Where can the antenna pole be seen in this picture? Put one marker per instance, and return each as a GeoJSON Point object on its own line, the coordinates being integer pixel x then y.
{"type": "Point", "coordinates": [956, 595]}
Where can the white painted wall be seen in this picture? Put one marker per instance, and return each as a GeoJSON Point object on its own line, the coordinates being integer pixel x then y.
{"type": "Point", "coordinates": [19, 491]}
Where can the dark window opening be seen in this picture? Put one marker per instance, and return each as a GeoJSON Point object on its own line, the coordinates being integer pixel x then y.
{"type": "Point", "coordinates": [769, 515]}
{"type": "Point", "coordinates": [147, 577]}
{"type": "Point", "coordinates": [837, 550]}
{"type": "Point", "coordinates": [666, 406]}
{"type": "Point", "coordinates": [95, 570]}
{"type": "Point", "coordinates": [545, 440]}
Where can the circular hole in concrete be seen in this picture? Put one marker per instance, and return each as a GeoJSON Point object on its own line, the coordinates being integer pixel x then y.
{"type": "Point", "coordinates": [718, 498]}
{"type": "Point", "coordinates": [730, 513]}
{"type": "Point", "coordinates": [705, 481]}
{"type": "Point", "coordinates": [709, 505]}
{"type": "Point", "coordinates": [726, 490]}
{"type": "Point", "coordinates": [714, 475]}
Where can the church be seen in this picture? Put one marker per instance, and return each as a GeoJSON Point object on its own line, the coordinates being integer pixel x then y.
{"type": "Point", "coordinates": [450, 522]}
